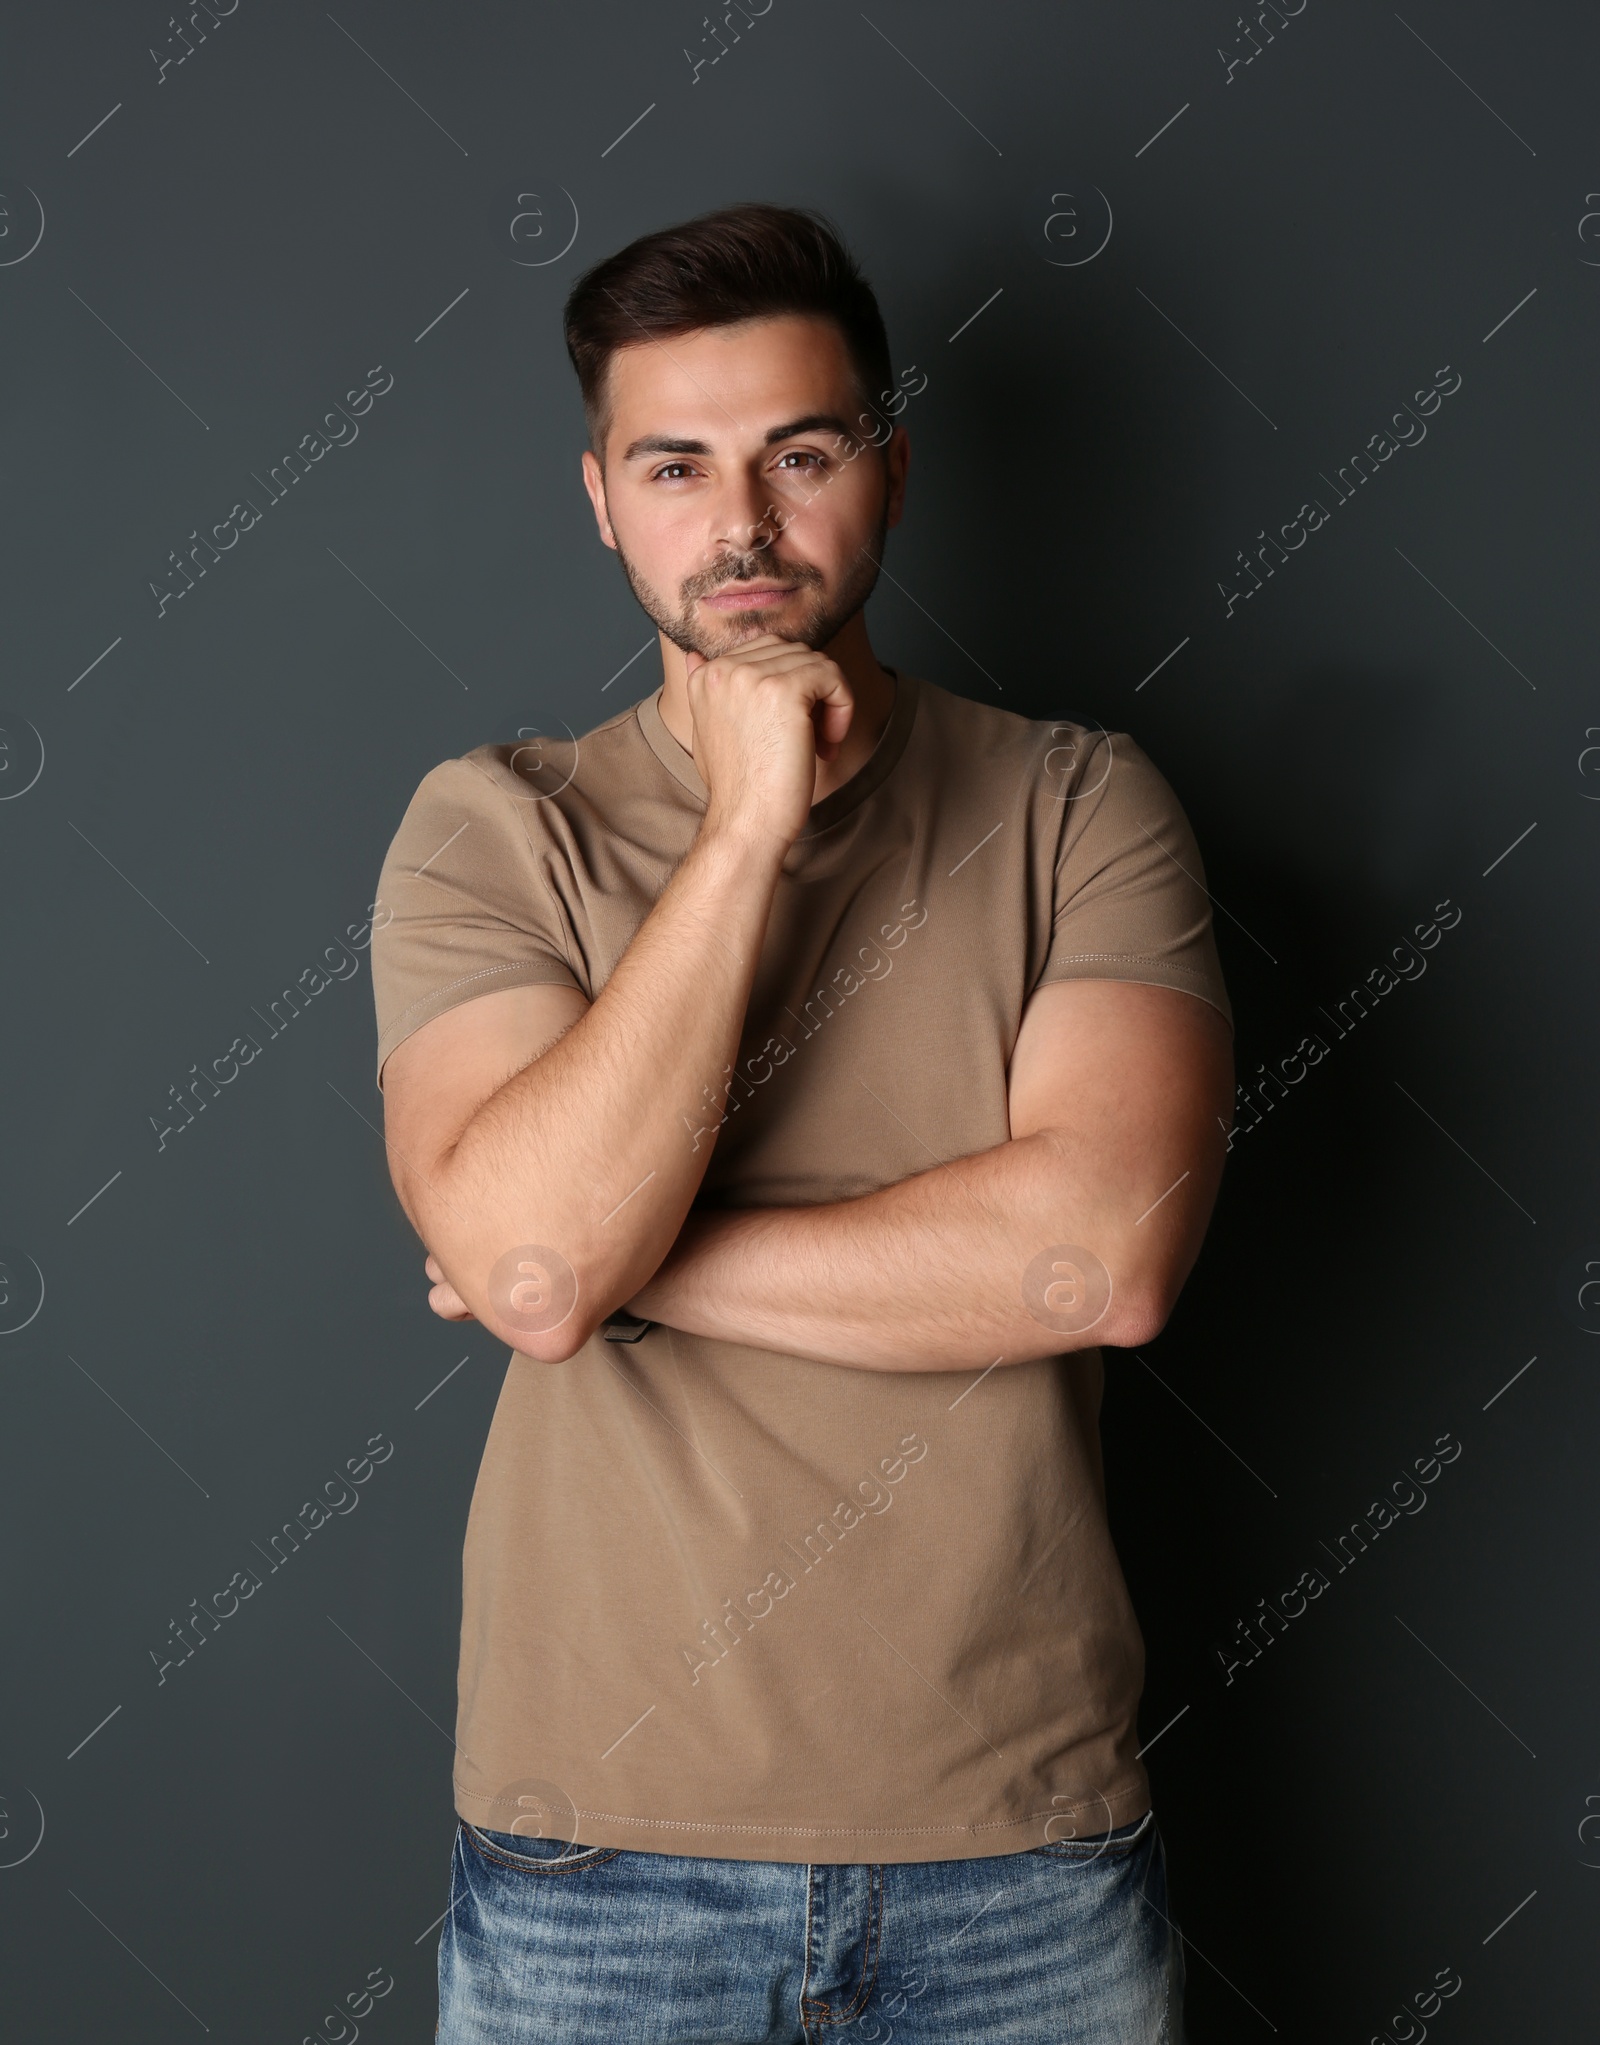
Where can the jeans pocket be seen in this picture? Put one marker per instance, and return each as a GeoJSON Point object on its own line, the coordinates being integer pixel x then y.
{"type": "Point", "coordinates": [534, 1856]}
{"type": "Point", "coordinates": [1116, 1844]}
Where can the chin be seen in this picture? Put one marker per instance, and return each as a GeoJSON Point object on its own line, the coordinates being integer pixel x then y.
{"type": "Point", "coordinates": [751, 625]}
{"type": "Point", "coordinates": [725, 635]}
{"type": "Point", "coordinates": [810, 627]}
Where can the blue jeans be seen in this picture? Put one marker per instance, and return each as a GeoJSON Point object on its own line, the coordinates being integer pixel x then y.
{"type": "Point", "coordinates": [1065, 1944]}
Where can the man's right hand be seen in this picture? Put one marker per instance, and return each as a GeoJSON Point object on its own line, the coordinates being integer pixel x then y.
{"type": "Point", "coordinates": [594, 1147]}
{"type": "Point", "coordinates": [763, 716]}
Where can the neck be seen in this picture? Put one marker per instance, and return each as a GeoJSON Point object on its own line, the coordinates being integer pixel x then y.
{"type": "Point", "coordinates": [871, 685]}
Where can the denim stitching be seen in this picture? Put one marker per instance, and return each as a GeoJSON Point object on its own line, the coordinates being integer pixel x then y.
{"type": "Point", "coordinates": [490, 1851]}
{"type": "Point", "coordinates": [870, 1959]}
{"type": "Point", "coordinates": [805, 1971]}
{"type": "Point", "coordinates": [1112, 1849]}
{"type": "Point", "coordinates": [874, 1952]}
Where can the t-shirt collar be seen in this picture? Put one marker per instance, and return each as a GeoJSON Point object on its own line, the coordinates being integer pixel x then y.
{"type": "Point", "coordinates": [868, 776]}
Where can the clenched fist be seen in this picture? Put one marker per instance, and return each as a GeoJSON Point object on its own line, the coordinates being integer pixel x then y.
{"type": "Point", "coordinates": [763, 717]}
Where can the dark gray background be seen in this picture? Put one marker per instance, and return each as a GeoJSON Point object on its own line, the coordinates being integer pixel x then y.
{"type": "Point", "coordinates": [1401, 1783]}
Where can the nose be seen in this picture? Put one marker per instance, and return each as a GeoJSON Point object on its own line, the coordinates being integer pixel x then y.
{"type": "Point", "coordinates": [745, 520]}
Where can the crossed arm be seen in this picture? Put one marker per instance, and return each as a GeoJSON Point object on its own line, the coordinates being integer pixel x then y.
{"type": "Point", "coordinates": [1079, 1230]}
{"type": "Point", "coordinates": [1116, 1151]}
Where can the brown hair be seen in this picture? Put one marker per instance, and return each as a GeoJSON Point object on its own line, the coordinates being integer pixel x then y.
{"type": "Point", "coordinates": [752, 261]}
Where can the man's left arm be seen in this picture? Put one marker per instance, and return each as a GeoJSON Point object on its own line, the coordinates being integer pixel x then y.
{"type": "Point", "coordinates": [1119, 1095]}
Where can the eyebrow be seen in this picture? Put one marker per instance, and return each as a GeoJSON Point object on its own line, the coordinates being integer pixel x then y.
{"type": "Point", "coordinates": [812, 422]}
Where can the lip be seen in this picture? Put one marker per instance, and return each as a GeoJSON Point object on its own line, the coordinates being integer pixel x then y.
{"type": "Point", "coordinates": [741, 596]}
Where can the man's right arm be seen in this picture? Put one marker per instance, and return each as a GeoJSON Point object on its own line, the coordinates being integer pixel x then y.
{"type": "Point", "coordinates": [501, 1139]}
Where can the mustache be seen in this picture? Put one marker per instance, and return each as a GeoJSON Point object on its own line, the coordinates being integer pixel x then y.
{"type": "Point", "coordinates": [757, 567]}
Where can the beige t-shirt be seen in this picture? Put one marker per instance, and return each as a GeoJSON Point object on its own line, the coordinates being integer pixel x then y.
{"type": "Point", "coordinates": [719, 1600]}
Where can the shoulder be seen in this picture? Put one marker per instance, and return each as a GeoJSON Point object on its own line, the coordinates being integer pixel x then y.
{"type": "Point", "coordinates": [540, 763]}
{"type": "Point", "coordinates": [960, 721]}
{"type": "Point", "coordinates": [1068, 759]}
{"type": "Point", "coordinates": [470, 790]}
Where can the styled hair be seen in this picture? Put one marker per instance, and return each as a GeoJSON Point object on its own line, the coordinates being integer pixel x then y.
{"type": "Point", "coordinates": [752, 261]}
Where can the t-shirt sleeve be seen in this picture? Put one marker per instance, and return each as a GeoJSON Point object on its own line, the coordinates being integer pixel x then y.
{"type": "Point", "coordinates": [463, 905]}
{"type": "Point", "coordinates": [1130, 900]}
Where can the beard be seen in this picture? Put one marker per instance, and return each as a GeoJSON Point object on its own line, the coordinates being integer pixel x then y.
{"type": "Point", "coordinates": [822, 613]}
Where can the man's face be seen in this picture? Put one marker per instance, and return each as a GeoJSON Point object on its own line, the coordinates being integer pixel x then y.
{"type": "Point", "coordinates": [739, 489]}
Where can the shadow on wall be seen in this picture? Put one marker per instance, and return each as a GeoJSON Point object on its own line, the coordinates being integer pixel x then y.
{"type": "Point", "coordinates": [1056, 514]}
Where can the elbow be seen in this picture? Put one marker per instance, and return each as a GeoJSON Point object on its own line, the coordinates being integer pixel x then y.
{"type": "Point", "coordinates": [556, 1347]}
{"type": "Point", "coordinates": [1148, 1290]}
{"type": "Point", "coordinates": [534, 1300]}
{"type": "Point", "coordinates": [544, 1345]}
{"type": "Point", "coordinates": [537, 1338]}
{"type": "Point", "coordinates": [1136, 1316]}
{"type": "Point", "coordinates": [547, 1307]}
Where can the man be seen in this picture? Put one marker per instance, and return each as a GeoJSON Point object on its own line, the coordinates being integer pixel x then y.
{"type": "Point", "coordinates": [859, 1055]}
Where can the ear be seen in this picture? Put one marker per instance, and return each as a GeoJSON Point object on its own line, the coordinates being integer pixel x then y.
{"type": "Point", "coordinates": [595, 483]}
{"type": "Point", "coordinates": [897, 457]}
